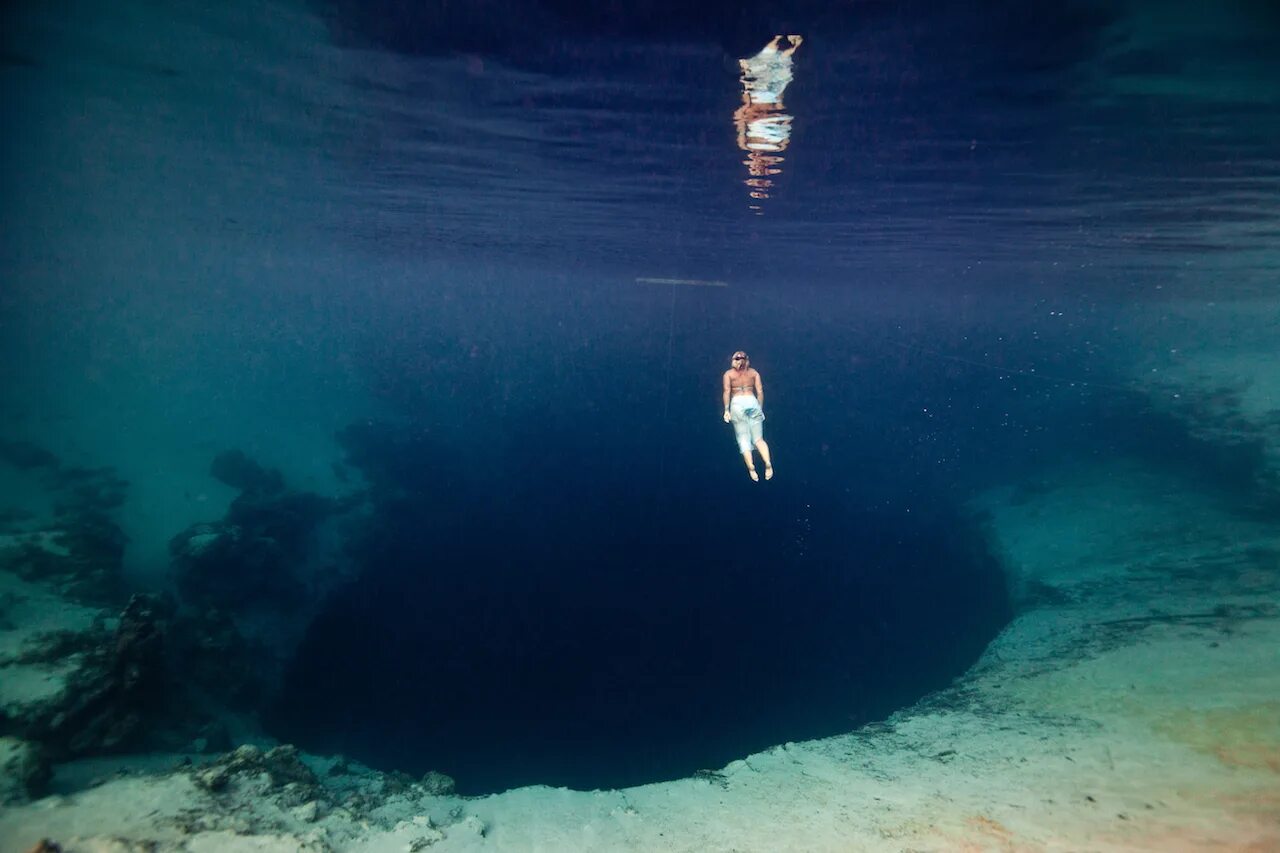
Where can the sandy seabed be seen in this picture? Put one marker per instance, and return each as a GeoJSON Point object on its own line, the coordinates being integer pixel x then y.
{"type": "Point", "coordinates": [1134, 705]}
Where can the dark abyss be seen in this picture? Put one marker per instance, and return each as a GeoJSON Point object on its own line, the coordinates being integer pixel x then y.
{"type": "Point", "coordinates": [567, 578]}
{"type": "Point", "coordinates": [610, 601]}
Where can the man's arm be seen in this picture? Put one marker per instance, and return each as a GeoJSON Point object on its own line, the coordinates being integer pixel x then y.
{"type": "Point", "coordinates": [759, 389]}
{"type": "Point", "coordinates": [726, 396]}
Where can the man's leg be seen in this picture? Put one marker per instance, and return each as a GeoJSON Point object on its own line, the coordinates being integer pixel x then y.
{"type": "Point", "coordinates": [742, 432]}
{"type": "Point", "coordinates": [764, 454]}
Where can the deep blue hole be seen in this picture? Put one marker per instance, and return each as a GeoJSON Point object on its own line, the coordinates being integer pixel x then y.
{"type": "Point", "coordinates": [589, 620]}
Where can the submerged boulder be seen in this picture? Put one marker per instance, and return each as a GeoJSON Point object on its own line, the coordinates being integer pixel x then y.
{"type": "Point", "coordinates": [24, 770]}
{"type": "Point", "coordinates": [218, 662]}
{"type": "Point", "coordinates": [238, 471]}
{"type": "Point", "coordinates": [249, 559]}
{"type": "Point", "coordinates": [226, 566]}
{"type": "Point", "coordinates": [81, 558]}
{"type": "Point", "coordinates": [282, 765]}
{"type": "Point", "coordinates": [26, 456]}
{"type": "Point", "coordinates": [113, 699]}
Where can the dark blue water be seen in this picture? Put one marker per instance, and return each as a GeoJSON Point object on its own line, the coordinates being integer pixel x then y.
{"type": "Point", "coordinates": [608, 599]}
{"type": "Point", "coordinates": [924, 139]}
{"type": "Point", "coordinates": [590, 592]}
{"type": "Point", "coordinates": [397, 250]}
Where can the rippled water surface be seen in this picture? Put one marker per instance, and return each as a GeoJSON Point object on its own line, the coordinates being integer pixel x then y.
{"type": "Point", "coordinates": [1127, 136]}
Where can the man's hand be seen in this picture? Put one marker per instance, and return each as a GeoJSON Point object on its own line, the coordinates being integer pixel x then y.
{"type": "Point", "coordinates": [726, 416]}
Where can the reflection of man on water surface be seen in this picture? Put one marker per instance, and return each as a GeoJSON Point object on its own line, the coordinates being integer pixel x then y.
{"type": "Point", "coordinates": [744, 408]}
{"type": "Point", "coordinates": [763, 128]}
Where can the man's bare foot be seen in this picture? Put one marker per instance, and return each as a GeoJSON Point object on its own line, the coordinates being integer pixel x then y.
{"type": "Point", "coordinates": [768, 472]}
{"type": "Point", "coordinates": [754, 475]}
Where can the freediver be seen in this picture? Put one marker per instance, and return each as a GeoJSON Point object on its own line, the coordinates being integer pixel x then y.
{"type": "Point", "coordinates": [744, 408]}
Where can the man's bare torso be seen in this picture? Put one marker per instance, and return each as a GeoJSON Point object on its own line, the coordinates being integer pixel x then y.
{"type": "Point", "coordinates": [742, 382]}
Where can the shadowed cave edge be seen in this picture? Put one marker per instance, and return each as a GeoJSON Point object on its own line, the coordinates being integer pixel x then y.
{"type": "Point", "coordinates": [570, 626]}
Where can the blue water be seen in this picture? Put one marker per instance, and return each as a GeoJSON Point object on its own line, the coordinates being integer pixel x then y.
{"type": "Point", "coordinates": [394, 253]}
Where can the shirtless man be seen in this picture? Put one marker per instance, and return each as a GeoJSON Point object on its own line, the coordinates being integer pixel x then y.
{"type": "Point", "coordinates": [744, 408]}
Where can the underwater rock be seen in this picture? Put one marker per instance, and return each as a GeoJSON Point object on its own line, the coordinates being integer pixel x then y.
{"type": "Point", "coordinates": [437, 784]}
{"type": "Point", "coordinates": [251, 799]}
{"type": "Point", "coordinates": [286, 518]}
{"type": "Point", "coordinates": [54, 647]}
{"type": "Point", "coordinates": [25, 455]}
{"type": "Point", "coordinates": [247, 587]}
{"type": "Point", "coordinates": [113, 711]}
{"type": "Point", "coordinates": [219, 662]}
{"type": "Point", "coordinates": [96, 545]}
{"type": "Point", "coordinates": [81, 549]}
{"type": "Point", "coordinates": [147, 678]}
{"type": "Point", "coordinates": [112, 701]}
{"type": "Point", "coordinates": [226, 566]}
{"type": "Point", "coordinates": [81, 560]}
{"type": "Point", "coordinates": [247, 560]}
{"type": "Point", "coordinates": [138, 657]}
{"type": "Point", "coordinates": [307, 812]}
{"type": "Point", "coordinates": [281, 764]}
{"type": "Point", "coordinates": [238, 471]}
{"type": "Point", "coordinates": [24, 770]}
{"type": "Point", "coordinates": [47, 643]}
